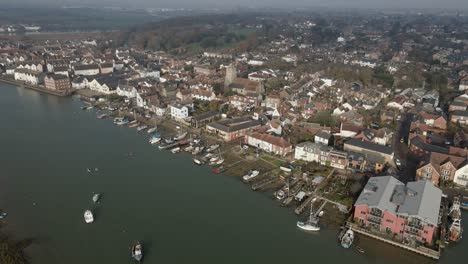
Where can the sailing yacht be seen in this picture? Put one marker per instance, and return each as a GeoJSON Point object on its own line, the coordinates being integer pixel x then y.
{"type": "Point", "coordinates": [312, 222]}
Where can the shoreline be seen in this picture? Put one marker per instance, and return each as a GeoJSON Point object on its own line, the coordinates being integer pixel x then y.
{"type": "Point", "coordinates": [35, 88]}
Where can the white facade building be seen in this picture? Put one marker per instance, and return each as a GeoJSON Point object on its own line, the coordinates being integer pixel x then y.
{"type": "Point", "coordinates": [179, 112]}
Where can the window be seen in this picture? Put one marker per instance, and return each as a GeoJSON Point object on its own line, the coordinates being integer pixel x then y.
{"type": "Point", "coordinates": [389, 221]}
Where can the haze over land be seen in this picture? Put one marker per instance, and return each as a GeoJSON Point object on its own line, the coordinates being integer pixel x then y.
{"type": "Point", "coordinates": [227, 4]}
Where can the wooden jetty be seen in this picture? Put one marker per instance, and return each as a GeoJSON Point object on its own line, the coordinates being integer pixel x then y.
{"type": "Point", "coordinates": [264, 182]}
{"type": "Point", "coordinates": [303, 205]}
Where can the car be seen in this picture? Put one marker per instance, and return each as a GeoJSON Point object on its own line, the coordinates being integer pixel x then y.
{"type": "Point", "coordinates": [402, 140]}
{"type": "Point", "coordinates": [398, 162]}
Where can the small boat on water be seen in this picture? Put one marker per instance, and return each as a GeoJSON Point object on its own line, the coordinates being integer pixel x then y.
{"type": "Point", "coordinates": [175, 150]}
{"type": "Point", "coordinates": [212, 148]}
{"type": "Point", "coordinates": [180, 136]}
{"type": "Point", "coordinates": [188, 149]}
{"type": "Point", "coordinates": [456, 230]}
{"type": "Point", "coordinates": [214, 159]}
{"type": "Point", "coordinates": [312, 222]}
{"type": "Point", "coordinates": [101, 116]}
{"type": "Point", "coordinates": [155, 138]}
{"type": "Point", "coordinates": [347, 238]}
{"type": "Point", "coordinates": [197, 161]}
{"type": "Point", "coordinates": [250, 175]}
{"type": "Point", "coordinates": [280, 195]}
{"type": "Point", "coordinates": [220, 161]}
{"type": "Point", "coordinates": [134, 121]}
{"type": "Point", "coordinates": [137, 252]}
{"type": "Point", "coordinates": [96, 197]}
{"type": "Point", "coordinates": [133, 125]}
{"type": "Point", "coordinates": [141, 128]}
{"type": "Point", "coordinates": [151, 130]}
{"type": "Point", "coordinates": [3, 215]}
{"type": "Point", "coordinates": [198, 150]}
{"type": "Point", "coordinates": [88, 217]}
{"type": "Point", "coordinates": [88, 170]}
{"type": "Point", "coordinates": [120, 121]}
{"type": "Point", "coordinates": [359, 249]}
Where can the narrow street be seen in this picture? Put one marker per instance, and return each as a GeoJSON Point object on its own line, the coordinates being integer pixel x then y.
{"type": "Point", "coordinates": [407, 170]}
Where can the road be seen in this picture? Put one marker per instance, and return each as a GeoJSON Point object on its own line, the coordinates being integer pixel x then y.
{"type": "Point", "coordinates": [407, 170]}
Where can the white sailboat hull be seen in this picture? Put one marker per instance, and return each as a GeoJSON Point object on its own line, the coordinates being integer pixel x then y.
{"type": "Point", "coordinates": [308, 227]}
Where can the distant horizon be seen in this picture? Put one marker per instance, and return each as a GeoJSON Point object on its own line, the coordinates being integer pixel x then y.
{"type": "Point", "coordinates": [400, 5]}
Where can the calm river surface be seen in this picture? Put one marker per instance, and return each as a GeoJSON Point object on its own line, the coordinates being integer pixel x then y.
{"type": "Point", "coordinates": [180, 212]}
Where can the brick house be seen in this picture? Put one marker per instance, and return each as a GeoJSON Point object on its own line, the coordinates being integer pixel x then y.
{"type": "Point", "coordinates": [440, 167]}
{"type": "Point", "coordinates": [410, 212]}
{"type": "Point", "coordinates": [57, 82]}
{"type": "Point", "coordinates": [433, 120]}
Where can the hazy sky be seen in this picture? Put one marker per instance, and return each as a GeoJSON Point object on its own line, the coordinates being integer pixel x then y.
{"type": "Point", "coordinates": [252, 3]}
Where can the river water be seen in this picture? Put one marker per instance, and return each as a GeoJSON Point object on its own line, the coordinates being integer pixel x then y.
{"type": "Point", "coordinates": [180, 212]}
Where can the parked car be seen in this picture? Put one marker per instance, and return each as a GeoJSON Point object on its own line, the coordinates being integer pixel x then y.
{"type": "Point", "coordinates": [398, 163]}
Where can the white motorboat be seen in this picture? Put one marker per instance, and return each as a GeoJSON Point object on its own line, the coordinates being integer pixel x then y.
{"type": "Point", "coordinates": [220, 161]}
{"type": "Point", "coordinates": [101, 116]}
{"type": "Point", "coordinates": [88, 217]}
{"type": "Point", "coordinates": [120, 121]}
{"type": "Point", "coordinates": [180, 136]}
{"type": "Point", "coordinates": [96, 197]}
{"type": "Point", "coordinates": [213, 148]}
{"type": "Point", "coordinates": [137, 252]}
{"type": "Point", "coordinates": [155, 139]}
{"type": "Point", "coordinates": [151, 130]}
{"type": "Point", "coordinates": [188, 149]}
{"type": "Point", "coordinates": [312, 222]}
{"type": "Point", "coordinates": [197, 161]}
{"type": "Point", "coordinates": [280, 195]}
{"type": "Point", "coordinates": [133, 125]}
{"type": "Point", "coordinates": [250, 175]}
{"type": "Point", "coordinates": [175, 150]}
{"type": "Point", "coordinates": [141, 128]}
{"type": "Point", "coordinates": [347, 239]}
{"type": "Point", "coordinates": [3, 215]}
{"type": "Point", "coordinates": [214, 159]}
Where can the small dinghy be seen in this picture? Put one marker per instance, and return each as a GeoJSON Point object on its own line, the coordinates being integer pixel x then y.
{"type": "Point", "coordinates": [96, 197]}
{"type": "Point", "coordinates": [137, 252]}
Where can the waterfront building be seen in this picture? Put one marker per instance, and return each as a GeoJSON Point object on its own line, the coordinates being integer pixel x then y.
{"type": "Point", "coordinates": [126, 91]}
{"type": "Point", "coordinates": [269, 143]}
{"type": "Point", "coordinates": [311, 152]}
{"type": "Point", "coordinates": [410, 212]}
{"type": "Point", "coordinates": [57, 82]}
{"type": "Point", "coordinates": [230, 129]}
{"type": "Point", "coordinates": [179, 112]}
{"type": "Point", "coordinates": [27, 76]}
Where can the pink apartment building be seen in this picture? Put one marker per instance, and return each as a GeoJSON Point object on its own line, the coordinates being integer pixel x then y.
{"type": "Point", "coordinates": [411, 211]}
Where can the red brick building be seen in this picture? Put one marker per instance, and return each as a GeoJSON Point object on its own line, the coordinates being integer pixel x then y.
{"type": "Point", "coordinates": [57, 82]}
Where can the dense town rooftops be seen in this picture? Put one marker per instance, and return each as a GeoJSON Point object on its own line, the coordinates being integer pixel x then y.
{"type": "Point", "coordinates": [370, 146]}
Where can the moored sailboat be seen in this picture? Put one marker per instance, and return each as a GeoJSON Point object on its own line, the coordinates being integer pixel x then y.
{"type": "Point", "coordinates": [312, 222]}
